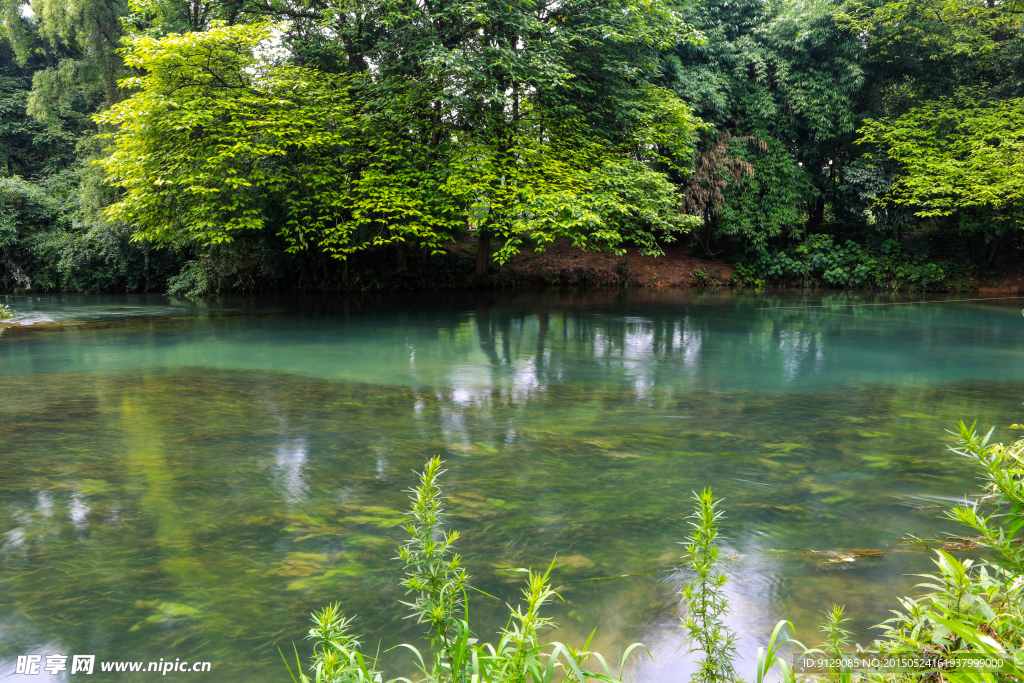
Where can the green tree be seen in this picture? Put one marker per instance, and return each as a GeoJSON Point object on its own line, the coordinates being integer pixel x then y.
{"type": "Point", "coordinates": [779, 85]}
{"type": "Point", "coordinates": [510, 90]}
{"type": "Point", "coordinates": [223, 134]}
{"type": "Point", "coordinates": [958, 152]}
{"type": "Point", "coordinates": [216, 132]}
{"type": "Point", "coordinates": [946, 115]}
{"type": "Point", "coordinates": [77, 41]}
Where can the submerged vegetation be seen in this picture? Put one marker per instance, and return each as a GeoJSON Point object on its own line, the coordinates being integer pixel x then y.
{"type": "Point", "coordinates": [971, 611]}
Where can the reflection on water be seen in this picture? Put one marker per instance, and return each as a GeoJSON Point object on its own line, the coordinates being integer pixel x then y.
{"type": "Point", "coordinates": [193, 485]}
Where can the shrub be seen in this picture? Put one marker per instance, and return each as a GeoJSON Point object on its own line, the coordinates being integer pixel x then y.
{"type": "Point", "coordinates": [820, 261]}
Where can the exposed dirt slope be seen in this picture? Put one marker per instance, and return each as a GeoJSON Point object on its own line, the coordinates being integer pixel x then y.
{"type": "Point", "coordinates": [563, 264]}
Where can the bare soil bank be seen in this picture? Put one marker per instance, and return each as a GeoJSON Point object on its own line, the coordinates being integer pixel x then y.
{"type": "Point", "coordinates": [1010, 284]}
{"type": "Point", "coordinates": [563, 264]}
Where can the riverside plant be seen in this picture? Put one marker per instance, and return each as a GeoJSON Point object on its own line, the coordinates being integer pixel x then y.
{"type": "Point", "coordinates": [437, 584]}
{"type": "Point", "coordinates": [705, 598]}
{"type": "Point", "coordinates": [969, 609]}
{"type": "Point", "coordinates": [973, 608]}
{"type": "Point", "coordinates": [837, 643]}
{"type": "Point", "coordinates": [5, 312]}
{"type": "Point", "coordinates": [707, 606]}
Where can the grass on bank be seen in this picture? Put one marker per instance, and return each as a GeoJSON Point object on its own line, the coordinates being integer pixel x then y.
{"type": "Point", "coordinates": [967, 609]}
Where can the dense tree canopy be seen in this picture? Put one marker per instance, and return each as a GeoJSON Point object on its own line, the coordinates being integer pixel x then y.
{"type": "Point", "coordinates": [460, 123]}
{"type": "Point", "coordinates": [239, 131]}
{"type": "Point", "coordinates": [962, 151]}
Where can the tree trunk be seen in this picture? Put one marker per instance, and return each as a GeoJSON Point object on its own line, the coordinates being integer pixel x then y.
{"type": "Point", "coordinates": [992, 251]}
{"type": "Point", "coordinates": [400, 260]}
{"type": "Point", "coordinates": [483, 255]}
{"type": "Point", "coordinates": [817, 216]}
{"type": "Point", "coordinates": [422, 261]}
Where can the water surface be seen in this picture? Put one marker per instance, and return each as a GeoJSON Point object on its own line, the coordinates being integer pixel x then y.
{"type": "Point", "coordinates": [188, 480]}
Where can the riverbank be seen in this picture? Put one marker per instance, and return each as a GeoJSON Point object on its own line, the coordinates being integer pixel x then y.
{"type": "Point", "coordinates": [565, 265]}
{"type": "Point", "coordinates": [239, 269]}
{"type": "Point", "coordinates": [562, 264]}
{"type": "Point", "coordinates": [1008, 284]}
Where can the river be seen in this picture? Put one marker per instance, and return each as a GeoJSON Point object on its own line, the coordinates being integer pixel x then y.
{"type": "Point", "coordinates": [188, 480]}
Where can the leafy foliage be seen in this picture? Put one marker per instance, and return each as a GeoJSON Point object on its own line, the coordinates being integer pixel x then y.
{"type": "Point", "coordinates": [1003, 469]}
{"type": "Point", "coordinates": [820, 261]}
{"type": "Point", "coordinates": [704, 598]}
{"type": "Point", "coordinates": [434, 576]}
{"type": "Point", "coordinates": [215, 129]}
{"type": "Point", "coordinates": [943, 30]}
{"type": "Point", "coordinates": [778, 85]}
{"type": "Point", "coordinates": [947, 95]}
{"type": "Point", "coordinates": [955, 153]}
{"type": "Point", "coordinates": [973, 607]}
{"type": "Point", "coordinates": [327, 128]}
{"type": "Point", "coordinates": [222, 136]}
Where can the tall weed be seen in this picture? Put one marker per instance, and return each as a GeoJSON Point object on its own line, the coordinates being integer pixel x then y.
{"type": "Point", "coordinates": [967, 608]}
{"type": "Point", "coordinates": [704, 596]}
{"type": "Point", "coordinates": [438, 585]}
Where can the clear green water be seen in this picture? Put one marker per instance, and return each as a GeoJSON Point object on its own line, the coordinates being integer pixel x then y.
{"type": "Point", "coordinates": [190, 481]}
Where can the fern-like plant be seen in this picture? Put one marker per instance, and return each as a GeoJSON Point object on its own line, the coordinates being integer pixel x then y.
{"type": "Point", "coordinates": [704, 595]}
{"type": "Point", "coordinates": [434, 575]}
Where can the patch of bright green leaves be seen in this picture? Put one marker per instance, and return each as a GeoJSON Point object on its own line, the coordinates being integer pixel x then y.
{"type": "Point", "coordinates": [221, 136]}
{"type": "Point", "coordinates": [957, 152]}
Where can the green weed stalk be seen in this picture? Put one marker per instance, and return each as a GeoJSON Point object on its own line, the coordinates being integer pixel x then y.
{"type": "Point", "coordinates": [704, 596]}
{"type": "Point", "coordinates": [968, 609]}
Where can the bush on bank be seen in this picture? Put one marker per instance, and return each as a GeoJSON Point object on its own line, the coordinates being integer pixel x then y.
{"type": "Point", "coordinates": [824, 261]}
